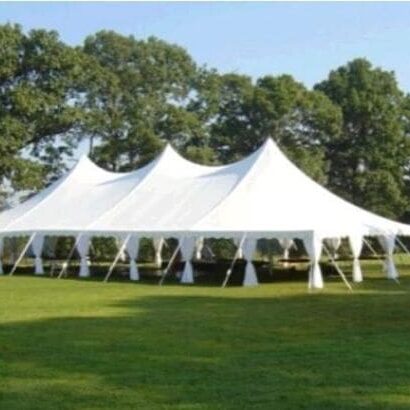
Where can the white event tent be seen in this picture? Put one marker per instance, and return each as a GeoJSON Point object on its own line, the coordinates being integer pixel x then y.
{"type": "Point", "coordinates": [262, 196]}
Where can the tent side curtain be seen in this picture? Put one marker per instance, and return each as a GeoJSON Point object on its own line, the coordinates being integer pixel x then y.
{"type": "Point", "coordinates": [132, 250]}
{"type": "Point", "coordinates": [388, 242]}
{"type": "Point", "coordinates": [83, 246]}
{"type": "Point", "coordinates": [313, 246]}
{"type": "Point", "coordinates": [249, 248]}
{"type": "Point", "coordinates": [187, 245]}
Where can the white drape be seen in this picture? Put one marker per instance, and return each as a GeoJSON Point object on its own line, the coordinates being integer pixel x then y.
{"type": "Point", "coordinates": [249, 247]}
{"type": "Point", "coordinates": [1, 255]}
{"type": "Point", "coordinates": [187, 249]}
{"type": "Point", "coordinates": [356, 244]}
{"type": "Point", "coordinates": [239, 250]}
{"type": "Point", "coordinates": [37, 247]}
{"type": "Point", "coordinates": [388, 242]}
{"type": "Point", "coordinates": [199, 245]}
{"type": "Point", "coordinates": [158, 244]}
{"type": "Point", "coordinates": [333, 244]}
{"type": "Point", "coordinates": [132, 250]}
{"type": "Point", "coordinates": [83, 246]}
{"type": "Point", "coordinates": [313, 247]}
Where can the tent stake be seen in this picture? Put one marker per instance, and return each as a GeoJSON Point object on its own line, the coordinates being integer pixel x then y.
{"type": "Point", "coordinates": [339, 271]}
{"type": "Point", "coordinates": [117, 257]}
{"type": "Point", "coordinates": [70, 255]}
{"type": "Point", "coordinates": [170, 262]}
{"type": "Point", "coordinates": [229, 271]}
{"type": "Point", "coordinates": [21, 256]}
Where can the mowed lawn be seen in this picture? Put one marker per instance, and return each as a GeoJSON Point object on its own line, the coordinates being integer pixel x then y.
{"type": "Point", "coordinates": [78, 344]}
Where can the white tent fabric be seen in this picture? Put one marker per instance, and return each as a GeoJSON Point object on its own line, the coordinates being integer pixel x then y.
{"type": "Point", "coordinates": [199, 246]}
{"type": "Point", "coordinates": [388, 243]}
{"type": "Point", "coordinates": [187, 248]}
{"type": "Point", "coordinates": [37, 246]}
{"type": "Point", "coordinates": [132, 250]}
{"type": "Point", "coordinates": [356, 244]}
{"type": "Point", "coordinates": [1, 255]}
{"type": "Point", "coordinates": [72, 203]}
{"type": "Point", "coordinates": [313, 245]}
{"type": "Point", "coordinates": [333, 244]}
{"type": "Point", "coordinates": [173, 196]}
{"type": "Point", "coordinates": [249, 248]}
{"type": "Point", "coordinates": [83, 246]}
{"type": "Point", "coordinates": [261, 196]}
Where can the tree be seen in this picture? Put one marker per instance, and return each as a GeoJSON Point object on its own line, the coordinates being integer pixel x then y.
{"type": "Point", "coordinates": [370, 158]}
{"type": "Point", "coordinates": [137, 101]}
{"type": "Point", "coordinates": [38, 117]}
{"type": "Point", "coordinates": [299, 120]}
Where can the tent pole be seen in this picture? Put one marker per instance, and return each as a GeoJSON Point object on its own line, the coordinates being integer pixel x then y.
{"type": "Point", "coordinates": [229, 271]}
{"type": "Point", "coordinates": [367, 243]}
{"type": "Point", "coordinates": [117, 257]}
{"type": "Point", "coordinates": [402, 245]}
{"type": "Point", "coordinates": [70, 255]}
{"type": "Point", "coordinates": [210, 251]}
{"type": "Point", "coordinates": [170, 262]}
{"type": "Point", "coordinates": [370, 247]}
{"type": "Point", "coordinates": [339, 271]}
{"type": "Point", "coordinates": [375, 254]}
{"type": "Point", "coordinates": [22, 254]}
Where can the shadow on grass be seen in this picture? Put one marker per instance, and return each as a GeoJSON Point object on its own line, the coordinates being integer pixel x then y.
{"type": "Point", "coordinates": [214, 352]}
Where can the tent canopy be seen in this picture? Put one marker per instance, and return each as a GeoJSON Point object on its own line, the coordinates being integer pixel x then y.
{"type": "Point", "coordinates": [263, 195]}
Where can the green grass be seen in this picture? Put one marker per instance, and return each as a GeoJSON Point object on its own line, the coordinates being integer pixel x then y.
{"type": "Point", "coordinates": [76, 344]}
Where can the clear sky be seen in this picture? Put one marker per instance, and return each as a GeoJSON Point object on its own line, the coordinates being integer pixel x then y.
{"type": "Point", "coordinates": [302, 39]}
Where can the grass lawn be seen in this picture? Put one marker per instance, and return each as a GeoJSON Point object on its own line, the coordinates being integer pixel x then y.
{"type": "Point", "coordinates": [78, 344]}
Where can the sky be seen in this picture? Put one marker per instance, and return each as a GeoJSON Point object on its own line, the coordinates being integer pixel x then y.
{"type": "Point", "coordinates": [305, 40]}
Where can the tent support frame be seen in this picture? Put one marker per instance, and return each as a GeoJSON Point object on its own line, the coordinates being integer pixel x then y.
{"type": "Point", "coordinates": [70, 255]}
{"type": "Point", "coordinates": [23, 252]}
{"type": "Point", "coordinates": [402, 245]}
{"type": "Point", "coordinates": [339, 271]}
{"type": "Point", "coordinates": [375, 253]}
{"type": "Point", "coordinates": [117, 258]}
{"type": "Point", "coordinates": [170, 262]}
{"type": "Point", "coordinates": [229, 271]}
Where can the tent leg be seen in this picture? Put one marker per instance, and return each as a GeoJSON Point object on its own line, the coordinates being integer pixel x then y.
{"type": "Point", "coordinates": [171, 261]}
{"type": "Point", "coordinates": [117, 257]}
{"type": "Point", "coordinates": [404, 247]}
{"type": "Point", "coordinates": [339, 271]}
{"type": "Point", "coordinates": [70, 255]}
{"type": "Point", "coordinates": [375, 253]}
{"type": "Point", "coordinates": [22, 254]}
{"type": "Point", "coordinates": [229, 271]}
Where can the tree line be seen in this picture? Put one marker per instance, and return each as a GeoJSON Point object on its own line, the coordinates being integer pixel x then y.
{"type": "Point", "coordinates": [127, 97]}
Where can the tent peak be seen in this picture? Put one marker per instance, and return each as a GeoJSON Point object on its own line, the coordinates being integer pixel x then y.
{"type": "Point", "coordinates": [269, 144]}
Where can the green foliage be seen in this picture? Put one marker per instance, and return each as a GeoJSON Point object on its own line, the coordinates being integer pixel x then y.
{"type": "Point", "coordinates": [370, 158]}
{"type": "Point", "coordinates": [298, 119]}
{"type": "Point", "coordinates": [38, 79]}
{"type": "Point", "coordinates": [135, 104]}
{"type": "Point", "coordinates": [129, 97]}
